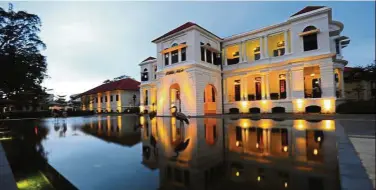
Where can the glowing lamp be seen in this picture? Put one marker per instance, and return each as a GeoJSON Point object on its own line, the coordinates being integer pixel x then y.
{"type": "Point", "coordinates": [237, 143]}
{"type": "Point", "coordinates": [327, 105]}
{"type": "Point", "coordinates": [318, 139]}
{"type": "Point", "coordinates": [237, 174]}
{"type": "Point", "coordinates": [315, 151]}
{"type": "Point", "coordinates": [313, 74]}
{"type": "Point", "coordinates": [285, 148]}
{"type": "Point", "coordinates": [258, 178]}
{"type": "Point", "coordinates": [286, 185]}
{"type": "Point", "coordinates": [257, 145]}
{"type": "Point", "coordinates": [244, 103]}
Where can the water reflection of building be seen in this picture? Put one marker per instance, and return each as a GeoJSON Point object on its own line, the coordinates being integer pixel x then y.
{"type": "Point", "coordinates": [123, 130]}
{"type": "Point", "coordinates": [281, 154]}
{"type": "Point", "coordinates": [192, 166]}
{"type": "Point", "coordinates": [262, 154]}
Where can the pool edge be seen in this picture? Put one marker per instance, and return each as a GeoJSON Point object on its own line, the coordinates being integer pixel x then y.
{"type": "Point", "coordinates": [6, 174]}
{"type": "Point", "coordinates": [352, 173]}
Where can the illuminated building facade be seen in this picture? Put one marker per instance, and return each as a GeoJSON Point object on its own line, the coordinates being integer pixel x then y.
{"type": "Point", "coordinates": [294, 66]}
{"type": "Point", "coordinates": [115, 96]}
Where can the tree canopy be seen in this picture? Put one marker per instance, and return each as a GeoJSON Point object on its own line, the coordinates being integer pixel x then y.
{"type": "Point", "coordinates": [23, 67]}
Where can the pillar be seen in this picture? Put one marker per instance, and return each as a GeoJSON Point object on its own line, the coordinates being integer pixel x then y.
{"type": "Point", "coordinates": [261, 48]}
{"type": "Point", "coordinates": [263, 92]}
{"type": "Point", "coordinates": [225, 98]}
{"type": "Point", "coordinates": [224, 55]}
{"type": "Point", "coordinates": [245, 58]}
{"type": "Point", "coordinates": [267, 86]}
{"type": "Point", "coordinates": [286, 42]}
{"type": "Point", "coordinates": [288, 87]}
{"type": "Point", "coordinates": [328, 87]}
{"type": "Point", "coordinates": [297, 83]}
{"type": "Point", "coordinates": [342, 84]}
{"type": "Point", "coordinates": [243, 86]}
{"type": "Point", "coordinates": [240, 52]}
{"type": "Point", "coordinates": [266, 46]}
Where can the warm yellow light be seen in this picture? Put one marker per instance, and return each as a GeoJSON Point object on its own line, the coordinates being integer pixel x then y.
{"type": "Point", "coordinates": [237, 174]}
{"type": "Point", "coordinates": [318, 139]}
{"type": "Point", "coordinates": [299, 124]}
{"type": "Point", "coordinates": [257, 145]}
{"type": "Point", "coordinates": [244, 103]}
{"type": "Point", "coordinates": [237, 143]}
{"type": "Point", "coordinates": [286, 184]}
{"type": "Point", "coordinates": [264, 102]}
{"type": "Point", "coordinates": [258, 178]}
{"type": "Point", "coordinates": [327, 105]}
{"type": "Point", "coordinates": [315, 151]}
{"type": "Point", "coordinates": [285, 148]}
{"type": "Point", "coordinates": [329, 124]}
{"type": "Point", "coordinates": [299, 104]}
{"type": "Point", "coordinates": [313, 74]}
{"type": "Point", "coordinates": [142, 120]}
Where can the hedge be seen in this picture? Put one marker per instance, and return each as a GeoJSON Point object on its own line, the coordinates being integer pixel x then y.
{"type": "Point", "coordinates": [357, 107]}
{"type": "Point", "coordinates": [41, 114]}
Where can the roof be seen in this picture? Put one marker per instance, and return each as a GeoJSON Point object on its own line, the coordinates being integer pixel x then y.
{"type": "Point", "coordinates": [148, 59]}
{"type": "Point", "coordinates": [123, 84]}
{"type": "Point", "coordinates": [183, 27]}
{"type": "Point", "coordinates": [307, 9]}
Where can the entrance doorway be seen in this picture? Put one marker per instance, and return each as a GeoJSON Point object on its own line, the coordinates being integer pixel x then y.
{"type": "Point", "coordinates": [210, 100]}
{"type": "Point", "coordinates": [175, 97]}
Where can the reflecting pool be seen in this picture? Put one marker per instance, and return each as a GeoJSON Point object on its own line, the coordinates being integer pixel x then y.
{"type": "Point", "coordinates": [129, 152]}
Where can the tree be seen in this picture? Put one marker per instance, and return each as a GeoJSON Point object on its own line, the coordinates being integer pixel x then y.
{"type": "Point", "coordinates": [61, 99]}
{"type": "Point", "coordinates": [23, 67]}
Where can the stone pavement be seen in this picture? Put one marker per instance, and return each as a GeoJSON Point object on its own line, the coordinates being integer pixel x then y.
{"type": "Point", "coordinates": [362, 135]}
{"type": "Point", "coordinates": [7, 181]}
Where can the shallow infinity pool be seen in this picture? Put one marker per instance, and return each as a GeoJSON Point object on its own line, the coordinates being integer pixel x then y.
{"type": "Point", "coordinates": [129, 152]}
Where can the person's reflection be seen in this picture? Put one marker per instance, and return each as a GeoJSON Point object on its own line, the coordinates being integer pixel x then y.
{"type": "Point", "coordinates": [56, 127]}
{"type": "Point", "coordinates": [64, 130]}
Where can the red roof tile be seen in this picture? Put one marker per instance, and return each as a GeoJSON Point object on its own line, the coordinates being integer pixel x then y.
{"type": "Point", "coordinates": [123, 84]}
{"type": "Point", "coordinates": [148, 59]}
{"type": "Point", "coordinates": [183, 27]}
{"type": "Point", "coordinates": [307, 9]}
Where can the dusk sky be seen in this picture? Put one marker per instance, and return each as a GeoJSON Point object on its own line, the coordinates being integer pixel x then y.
{"type": "Point", "coordinates": [89, 42]}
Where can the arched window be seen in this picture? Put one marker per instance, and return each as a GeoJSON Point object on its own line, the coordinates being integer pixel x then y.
{"type": "Point", "coordinates": [208, 55]}
{"type": "Point", "coordinates": [174, 44]}
{"type": "Point", "coordinates": [310, 39]}
{"type": "Point", "coordinates": [145, 75]}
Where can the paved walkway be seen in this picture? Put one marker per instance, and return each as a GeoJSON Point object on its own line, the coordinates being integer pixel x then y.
{"type": "Point", "coordinates": [362, 136]}
{"type": "Point", "coordinates": [7, 181]}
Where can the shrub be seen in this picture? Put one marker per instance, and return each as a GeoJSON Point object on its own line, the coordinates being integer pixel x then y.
{"type": "Point", "coordinates": [234, 110]}
{"type": "Point", "coordinates": [313, 109]}
{"type": "Point", "coordinates": [278, 110]}
{"type": "Point", "coordinates": [254, 110]}
{"type": "Point", "coordinates": [79, 113]}
{"type": "Point", "coordinates": [357, 107]}
{"type": "Point", "coordinates": [28, 114]}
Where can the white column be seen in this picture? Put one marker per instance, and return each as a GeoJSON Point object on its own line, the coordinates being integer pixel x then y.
{"type": "Point", "coordinates": [263, 92]}
{"type": "Point", "coordinates": [179, 55]}
{"type": "Point", "coordinates": [225, 94]}
{"type": "Point", "coordinates": [244, 87]}
{"type": "Point", "coordinates": [245, 58]}
{"type": "Point", "coordinates": [267, 86]}
{"type": "Point", "coordinates": [328, 86]}
{"type": "Point", "coordinates": [205, 55]}
{"type": "Point", "coordinates": [266, 46]}
{"type": "Point", "coordinates": [169, 58]}
{"type": "Point", "coordinates": [342, 84]}
{"type": "Point", "coordinates": [288, 77]}
{"type": "Point", "coordinates": [261, 48]}
{"type": "Point", "coordinates": [224, 55]}
{"type": "Point", "coordinates": [286, 42]}
{"type": "Point", "coordinates": [297, 83]}
{"type": "Point", "coordinates": [212, 58]}
{"type": "Point", "coordinates": [240, 52]}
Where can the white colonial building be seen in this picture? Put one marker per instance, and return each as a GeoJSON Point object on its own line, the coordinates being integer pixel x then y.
{"type": "Point", "coordinates": [293, 66]}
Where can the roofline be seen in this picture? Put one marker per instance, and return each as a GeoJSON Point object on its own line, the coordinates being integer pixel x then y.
{"type": "Point", "coordinates": [195, 26]}
{"type": "Point", "coordinates": [288, 21]}
{"type": "Point", "coordinates": [147, 62]}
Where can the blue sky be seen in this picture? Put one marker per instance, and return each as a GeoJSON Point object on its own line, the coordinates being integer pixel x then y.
{"type": "Point", "coordinates": [89, 42]}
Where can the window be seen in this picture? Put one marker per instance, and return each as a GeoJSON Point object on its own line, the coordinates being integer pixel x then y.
{"type": "Point", "coordinates": [111, 98]}
{"type": "Point", "coordinates": [183, 54]}
{"type": "Point", "coordinates": [155, 72]}
{"type": "Point", "coordinates": [213, 94]}
{"type": "Point", "coordinates": [237, 90]}
{"type": "Point", "coordinates": [146, 98]}
{"type": "Point", "coordinates": [215, 59]}
{"type": "Point", "coordinates": [310, 40]}
{"type": "Point", "coordinates": [202, 52]}
{"type": "Point", "coordinates": [174, 57]}
{"type": "Point", "coordinates": [256, 52]}
{"type": "Point", "coordinates": [208, 55]}
{"type": "Point", "coordinates": [145, 75]}
{"type": "Point", "coordinates": [96, 100]}
{"type": "Point", "coordinates": [101, 99]}
{"type": "Point", "coordinates": [117, 97]}
{"type": "Point", "coordinates": [105, 98]}
{"type": "Point", "coordinates": [337, 46]}
{"type": "Point", "coordinates": [166, 56]}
